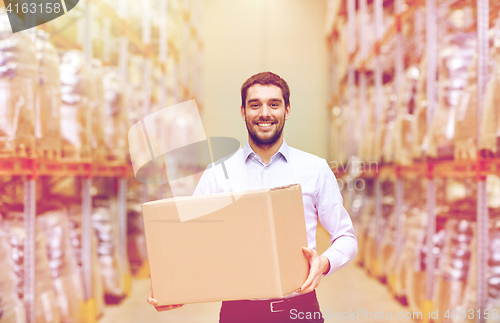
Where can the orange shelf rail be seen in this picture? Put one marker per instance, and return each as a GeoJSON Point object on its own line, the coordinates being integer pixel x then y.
{"type": "Point", "coordinates": [479, 168]}
{"type": "Point", "coordinates": [34, 167]}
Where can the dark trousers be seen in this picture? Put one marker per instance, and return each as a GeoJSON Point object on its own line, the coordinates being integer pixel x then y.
{"type": "Point", "coordinates": [302, 308]}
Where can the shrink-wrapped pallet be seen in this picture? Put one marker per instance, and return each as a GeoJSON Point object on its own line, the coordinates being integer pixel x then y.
{"type": "Point", "coordinates": [419, 122]}
{"type": "Point", "coordinates": [65, 274]}
{"type": "Point", "coordinates": [46, 310]}
{"type": "Point", "coordinates": [415, 258]}
{"type": "Point", "coordinates": [493, 277]}
{"type": "Point", "coordinates": [76, 113]}
{"type": "Point", "coordinates": [98, 113]}
{"type": "Point", "coordinates": [106, 226]}
{"type": "Point", "coordinates": [387, 246]}
{"type": "Point", "coordinates": [75, 234]}
{"type": "Point", "coordinates": [453, 268]}
{"type": "Point", "coordinates": [334, 133]}
{"type": "Point", "coordinates": [403, 135]}
{"type": "Point", "coordinates": [465, 138]}
{"type": "Point", "coordinates": [48, 100]}
{"type": "Point", "coordinates": [454, 62]}
{"type": "Point", "coordinates": [383, 132]}
{"type": "Point", "coordinates": [115, 119]}
{"type": "Point", "coordinates": [362, 230]}
{"type": "Point", "coordinates": [345, 132]}
{"type": "Point", "coordinates": [368, 128]}
{"type": "Point", "coordinates": [396, 271]}
{"type": "Point", "coordinates": [136, 239]}
{"type": "Point", "coordinates": [373, 249]}
{"type": "Point", "coordinates": [413, 266]}
{"type": "Point", "coordinates": [490, 122]}
{"type": "Point", "coordinates": [11, 307]}
{"type": "Point", "coordinates": [18, 83]}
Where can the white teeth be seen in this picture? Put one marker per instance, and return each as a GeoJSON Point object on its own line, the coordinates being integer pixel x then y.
{"type": "Point", "coordinates": [264, 124]}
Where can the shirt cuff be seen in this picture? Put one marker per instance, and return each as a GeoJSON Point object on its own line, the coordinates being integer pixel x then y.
{"type": "Point", "coordinates": [337, 260]}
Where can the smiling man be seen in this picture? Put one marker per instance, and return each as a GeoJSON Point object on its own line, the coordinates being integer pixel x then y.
{"type": "Point", "coordinates": [269, 162]}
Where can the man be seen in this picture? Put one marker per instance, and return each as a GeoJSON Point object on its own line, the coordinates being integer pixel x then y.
{"type": "Point", "coordinates": [267, 161]}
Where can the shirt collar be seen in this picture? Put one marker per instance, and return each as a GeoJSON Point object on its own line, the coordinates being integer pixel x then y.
{"type": "Point", "coordinates": [284, 150]}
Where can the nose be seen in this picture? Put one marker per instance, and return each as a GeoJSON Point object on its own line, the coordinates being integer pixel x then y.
{"type": "Point", "coordinates": [265, 111]}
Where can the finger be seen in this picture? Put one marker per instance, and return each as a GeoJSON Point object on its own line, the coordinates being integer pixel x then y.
{"type": "Point", "coordinates": [307, 283]}
{"type": "Point", "coordinates": [307, 251]}
{"type": "Point", "coordinates": [152, 301]}
{"type": "Point", "coordinates": [307, 289]}
{"type": "Point", "coordinates": [309, 255]}
{"type": "Point", "coordinates": [167, 307]}
{"type": "Point", "coordinates": [310, 287]}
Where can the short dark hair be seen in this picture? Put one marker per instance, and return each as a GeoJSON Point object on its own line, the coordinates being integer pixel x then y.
{"type": "Point", "coordinates": [266, 78]}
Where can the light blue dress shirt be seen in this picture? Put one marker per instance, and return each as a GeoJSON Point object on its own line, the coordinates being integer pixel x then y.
{"type": "Point", "coordinates": [320, 192]}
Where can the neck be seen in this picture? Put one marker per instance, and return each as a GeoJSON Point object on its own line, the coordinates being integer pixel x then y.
{"type": "Point", "coordinates": [266, 151]}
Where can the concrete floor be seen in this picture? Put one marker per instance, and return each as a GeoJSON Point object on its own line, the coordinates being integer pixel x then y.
{"type": "Point", "coordinates": [349, 293]}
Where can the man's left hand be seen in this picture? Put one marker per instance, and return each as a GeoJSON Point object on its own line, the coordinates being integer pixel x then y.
{"type": "Point", "coordinates": [317, 266]}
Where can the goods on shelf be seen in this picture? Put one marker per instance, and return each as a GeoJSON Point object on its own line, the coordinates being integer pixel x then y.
{"type": "Point", "coordinates": [108, 249]}
{"type": "Point", "coordinates": [387, 246]}
{"type": "Point", "coordinates": [490, 123]}
{"type": "Point", "coordinates": [373, 253]}
{"type": "Point", "coordinates": [368, 131]}
{"type": "Point", "coordinates": [383, 138]}
{"type": "Point", "coordinates": [136, 239]}
{"type": "Point", "coordinates": [18, 83]}
{"type": "Point", "coordinates": [493, 275]}
{"type": "Point", "coordinates": [454, 61]}
{"type": "Point", "coordinates": [97, 108]}
{"type": "Point", "coordinates": [413, 264]}
{"type": "Point", "coordinates": [76, 113]}
{"type": "Point", "coordinates": [396, 272]}
{"type": "Point", "coordinates": [62, 263]}
{"type": "Point", "coordinates": [340, 131]}
{"type": "Point", "coordinates": [403, 136]}
{"type": "Point", "coordinates": [419, 124]}
{"type": "Point", "coordinates": [11, 307]}
{"type": "Point", "coordinates": [454, 266]}
{"type": "Point", "coordinates": [415, 259]}
{"type": "Point", "coordinates": [465, 137]}
{"type": "Point", "coordinates": [48, 100]}
{"type": "Point", "coordinates": [361, 229]}
{"type": "Point", "coordinates": [46, 310]}
{"type": "Point", "coordinates": [75, 233]}
{"type": "Point", "coordinates": [115, 119]}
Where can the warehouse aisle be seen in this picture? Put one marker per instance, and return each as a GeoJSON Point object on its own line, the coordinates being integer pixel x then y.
{"type": "Point", "coordinates": [349, 293]}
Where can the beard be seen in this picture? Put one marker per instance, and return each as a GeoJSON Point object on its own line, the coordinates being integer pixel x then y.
{"type": "Point", "coordinates": [265, 141]}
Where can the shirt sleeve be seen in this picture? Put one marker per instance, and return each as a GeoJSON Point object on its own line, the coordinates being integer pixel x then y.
{"type": "Point", "coordinates": [334, 218]}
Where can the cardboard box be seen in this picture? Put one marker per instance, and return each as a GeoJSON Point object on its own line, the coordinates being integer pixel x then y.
{"type": "Point", "coordinates": [251, 248]}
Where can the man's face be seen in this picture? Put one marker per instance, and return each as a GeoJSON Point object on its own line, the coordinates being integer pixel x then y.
{"type": "Point", "coordinates": [265, 113]}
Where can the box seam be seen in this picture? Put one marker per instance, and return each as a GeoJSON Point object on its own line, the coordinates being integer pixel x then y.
{"type": "Point", "coordinates": [274, 245]}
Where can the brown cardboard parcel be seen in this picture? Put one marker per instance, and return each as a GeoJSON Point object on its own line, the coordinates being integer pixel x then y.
{"type": "Point", "coordinates": [251, 248]}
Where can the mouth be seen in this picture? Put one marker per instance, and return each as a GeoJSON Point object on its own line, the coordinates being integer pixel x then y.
{"type": "Point", "coordinates": [265, 125]}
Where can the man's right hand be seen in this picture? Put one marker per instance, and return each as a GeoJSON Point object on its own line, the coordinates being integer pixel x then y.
{"type": "Point", "coordinates": [154, 302]}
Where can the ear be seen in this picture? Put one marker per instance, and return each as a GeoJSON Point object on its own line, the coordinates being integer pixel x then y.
{"type": "Point", "coordinates": [242, 111]}
{"type": "Point", "coordinates": [287, 112]}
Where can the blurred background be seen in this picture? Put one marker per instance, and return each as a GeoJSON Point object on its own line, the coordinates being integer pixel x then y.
{"type": "Point", "coordinates": [399, 96]}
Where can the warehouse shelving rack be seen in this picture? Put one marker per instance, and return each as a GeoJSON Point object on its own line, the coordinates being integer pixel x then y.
{"type": "Point", "coordinates": [478, 169]}
{"type": "Point", "coordinates": [186, 85]}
